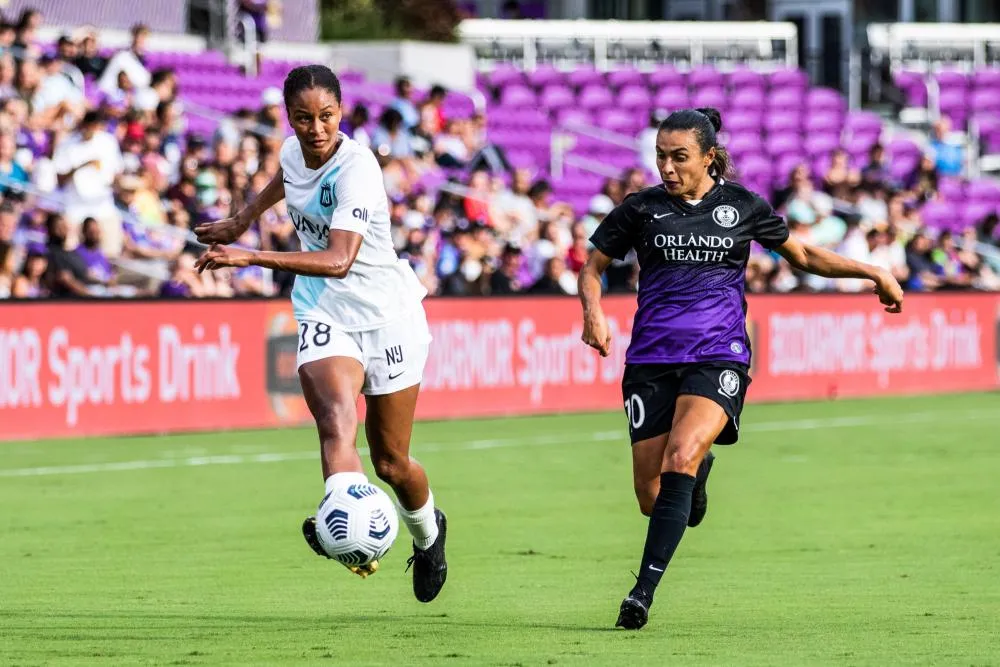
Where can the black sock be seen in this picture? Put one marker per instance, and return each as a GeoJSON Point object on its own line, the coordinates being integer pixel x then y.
{"type": "Point", "coordinates": [666, 527]}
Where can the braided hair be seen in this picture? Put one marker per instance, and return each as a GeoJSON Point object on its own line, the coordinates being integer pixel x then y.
{"type": "Point", "coordinates": [311, 76]}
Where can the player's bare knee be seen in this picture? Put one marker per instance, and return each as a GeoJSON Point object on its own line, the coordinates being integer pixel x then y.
{"type": "Point", "coordinates": [683, 455]}
{"type": "Point", "coordinates": [390, 467]}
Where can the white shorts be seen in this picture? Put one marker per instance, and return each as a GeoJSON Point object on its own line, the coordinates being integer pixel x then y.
{"type": "Point", "coordinates": [393, 356]}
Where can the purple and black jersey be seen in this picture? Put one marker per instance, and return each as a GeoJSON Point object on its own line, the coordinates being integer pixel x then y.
{"type": "Point", "coordinates": [692, 264]}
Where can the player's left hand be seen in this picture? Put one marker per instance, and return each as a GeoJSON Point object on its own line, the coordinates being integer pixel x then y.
{"type": "Point", "coordinates": [220, 256]}
{"type": "Point", "coordinates": [889, 292]}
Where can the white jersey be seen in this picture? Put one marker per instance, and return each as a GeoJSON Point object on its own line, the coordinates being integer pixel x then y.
{"type": "Point", "coordinates": [347, 193]}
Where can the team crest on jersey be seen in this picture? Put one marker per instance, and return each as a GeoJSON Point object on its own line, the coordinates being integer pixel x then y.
{"type": "Point", "coordinates": [726, 216]}
{"type": "Point", "coordinates": [326, 195]}
{"type": "Point", "coordinates": [729, 383]}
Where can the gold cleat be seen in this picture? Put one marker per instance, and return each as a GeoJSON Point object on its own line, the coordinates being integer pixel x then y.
{"type": "Point", "coordinates": [364, 570]}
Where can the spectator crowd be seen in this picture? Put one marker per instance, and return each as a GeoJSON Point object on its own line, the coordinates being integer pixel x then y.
{"type": "Point", "coordinates": [100, 184]}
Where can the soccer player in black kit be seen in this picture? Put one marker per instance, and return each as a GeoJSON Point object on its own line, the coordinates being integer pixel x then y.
{"type": "Point", "coordinates": [686, 368]}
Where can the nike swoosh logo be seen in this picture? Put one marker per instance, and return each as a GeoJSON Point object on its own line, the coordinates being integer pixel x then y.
{"type": "Point", "coordinates": [393, 377]}
{"type": "Point", "coordinates": [657, 569]}
{"type": "Point", "coordinates": [662, 215]}
{"type": "Point", "coordinates": [285, 180]}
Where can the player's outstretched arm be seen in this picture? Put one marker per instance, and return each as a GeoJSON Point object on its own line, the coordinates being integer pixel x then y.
{"type": "Point", "coordinates": [333, 262]}
{"type": "Point", "coordinates": [828, 264]}
{"type": "Point", "coordinates": [595, 326]}
{"type": "Point", "coordinates": [232, 228]}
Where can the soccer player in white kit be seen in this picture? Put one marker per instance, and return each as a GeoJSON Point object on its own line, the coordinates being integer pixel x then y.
{"type": "Point", "coordinates": [362, 327]}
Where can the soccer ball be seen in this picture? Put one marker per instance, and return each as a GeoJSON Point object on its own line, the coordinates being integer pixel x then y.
{"type": "Point", "coordinates": [356, 524]}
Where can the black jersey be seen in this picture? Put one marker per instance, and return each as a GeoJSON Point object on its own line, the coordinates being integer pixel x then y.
{"type": "Point", "coordinates": [692, 263]}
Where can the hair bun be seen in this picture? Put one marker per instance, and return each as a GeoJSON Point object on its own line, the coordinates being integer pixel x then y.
{"type": "Point", "coordinates": [714, 117]}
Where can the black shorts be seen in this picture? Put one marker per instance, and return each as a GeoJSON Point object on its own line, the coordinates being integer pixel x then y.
{"type": "Point", "coordinates": [651, 390]}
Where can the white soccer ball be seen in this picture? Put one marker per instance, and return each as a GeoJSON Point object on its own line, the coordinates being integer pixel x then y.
{"type": "Point", "coordinates": [357, 524]}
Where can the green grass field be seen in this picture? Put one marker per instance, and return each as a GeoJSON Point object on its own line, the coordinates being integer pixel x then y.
{"type": "Point", "coordinates": [852, 532]}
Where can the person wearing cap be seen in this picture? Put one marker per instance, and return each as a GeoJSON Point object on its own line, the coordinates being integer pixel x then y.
{"type": "Point", "coordinates": [270, 112]}
{"type": "Point", "coordinates": [87, 164]}
{"type": "Point", "coordinates": [505, 279]}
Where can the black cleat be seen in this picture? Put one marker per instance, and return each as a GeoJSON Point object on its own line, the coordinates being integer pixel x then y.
{"type": "Point", "coordinates": [634, 611]}
{"type": "Point", "coordinates": [430, 569]}
{"type": "Point", "coordinates": [699, 497]}
{"type": "Point", "coordinates": [309, 532]}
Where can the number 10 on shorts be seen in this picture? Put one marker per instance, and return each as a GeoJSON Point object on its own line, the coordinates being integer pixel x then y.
{"type": "Point", "coordinates": [635, 410]}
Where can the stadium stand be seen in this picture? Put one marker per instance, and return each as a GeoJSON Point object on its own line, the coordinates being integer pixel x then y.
{"type": "Point", "coordinates": [487, 199]}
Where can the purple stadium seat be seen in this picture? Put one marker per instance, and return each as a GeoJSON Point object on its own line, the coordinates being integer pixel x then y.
{"type": "Point", "coordinates": [863, 122]}
{"type": "Point", "coordinates": [747, 98]}
{"type": "Point", "coordinates": [825, 99]}
{"type": "Point", "coordinates": [618, 120]}
{"type": "Point", "coordinates": [951, 80]}
{"type": "Point", "coordinates": [821, 144]}
{"type": "Point", "coordinates": [634, 97]}
{"type": "Point", "coordinates": [860, 144]}
{"type": "Point", "coordinates": [951, 188]}
{"type": "Point", "coordinates": [914, 88]}
{"type": "Point", "coordinates": [742, 144]}
{"type": "Point", "coordinates": [899, 148]}
{"type": "Point", "coordinates": [986, 101]}
{"type": "Point", "coordinates": [786, 98]}
{"type": "Point", "coordinates": [973, 213]}
{"type": "Point", "coordinates": [823, 121]}
{"type": "Point", "coordinates": [901, 167]}
{"type": "Point", "coordinates": [671, 98]}
{"type": "Point", "coordinates": [779, 144]}
{"type": "Point", "coordinates": [959, 116]}
{"type": "Point", "coordinates": [625, 77]}
{"type": "Point", "coordinates": [522, 118]}
{"type": "Point", "coordinates": [557, 97]}
{"type": "Point", "coordinates": [505, 75]}
{"type": "Point", "coordinates": [521, 158]}
{"type": "Point", "coordinates": [593, 97]}
{"type": "Point", "coordinates": [991, 142]}
{"type": "Point", "coordinates": [458, 105]}
{"type": "Point", "coordinates": [584, 76]}
{"type": "Point", "coordinates": [518, 96]}
{"type": "Point", "coordinates": [788, 78]}
{"type": "Point", "coordinates": [938, 214]}
{"type": "Point", "coordinates": [985, 79]}
{"type": "Point", "coordinates": [783, 121]}
{"type": "Point", "coordinates": [544, 75]}
{"type": "Point", "coordinates": [706, 77]}
{"type": "Point", "coordinates": [784, 165]}
{"type": "Point", "coordinates": [953, 98]}
{"type": "Point", "coordinates": [709, 97]}
{"type": "Point", "coordinates": [666, 76]}
{"type": "Point", "coordinates": [743, 120]}
{"type": "Point", "coordinates": [574, 117]}
{"type": "Point", "coordinates": [742, 79]}
{"type": "Point", "coordinates": [984, 190]}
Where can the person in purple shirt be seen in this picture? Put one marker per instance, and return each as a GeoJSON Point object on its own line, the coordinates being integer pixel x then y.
{"type": "Point", "coordinates": [99, 269]}
{"type": "Point", "coordinates": [686, 368]}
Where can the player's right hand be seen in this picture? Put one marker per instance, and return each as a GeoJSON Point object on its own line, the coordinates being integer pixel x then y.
{"type": "Point", "coordinates": [596, 333]}
{"type": "Point", "coordinates": [224, 231]}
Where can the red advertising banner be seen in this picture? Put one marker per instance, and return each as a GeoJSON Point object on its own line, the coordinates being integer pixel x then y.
{"type": "Point", "coordinates": [154, 367]}
{"type": "Point", "coordinates": [85, 369]}
{"type": "Point", "coordinates": [814, 347]}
